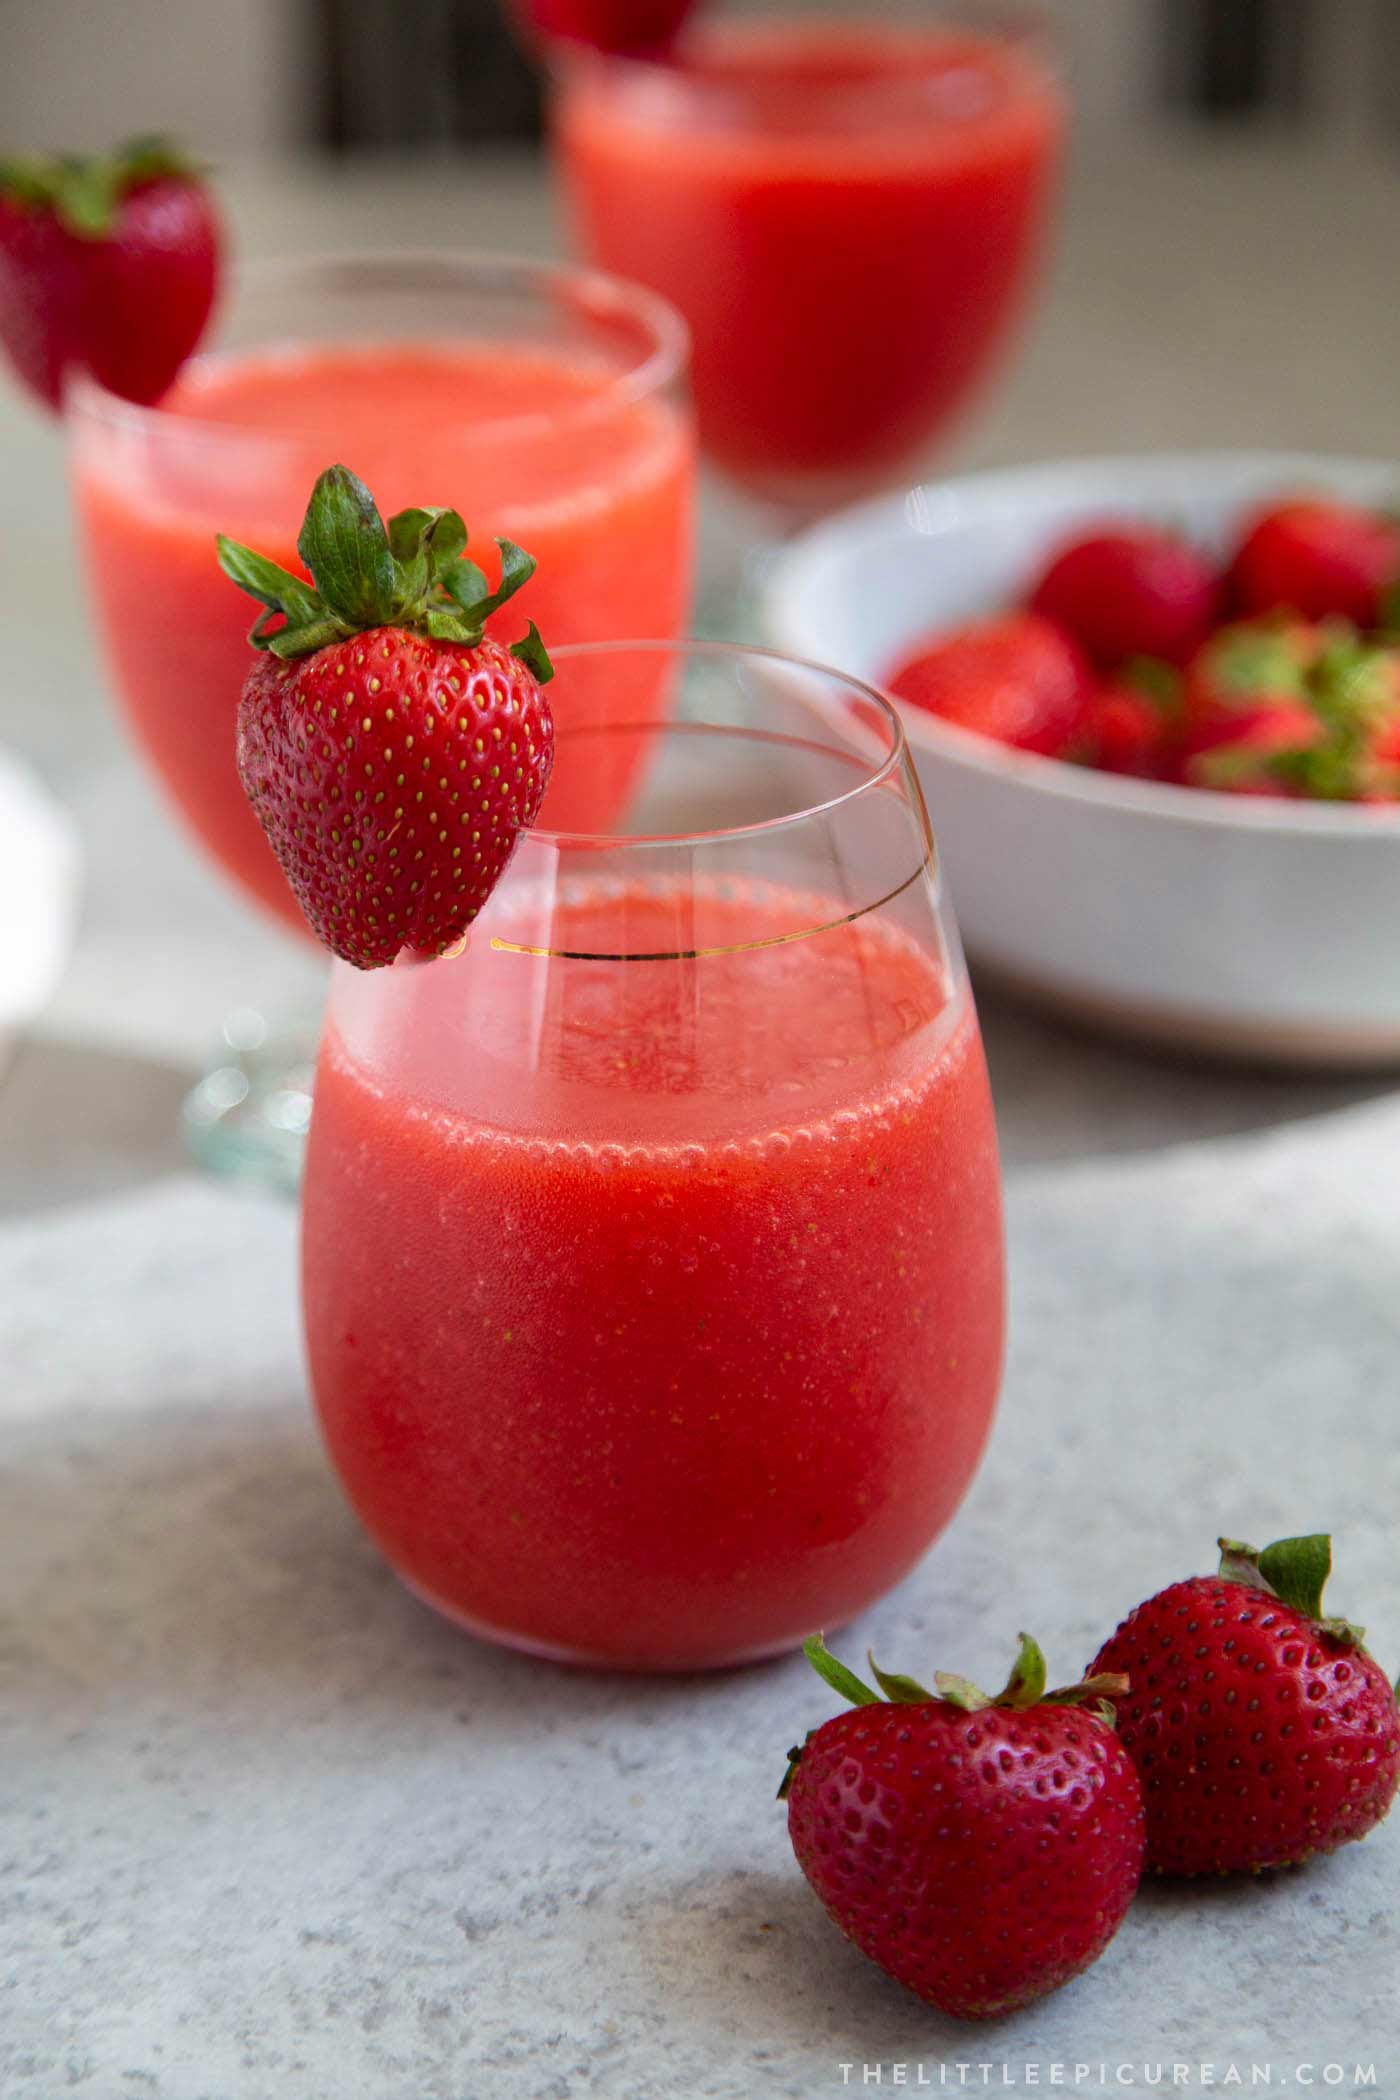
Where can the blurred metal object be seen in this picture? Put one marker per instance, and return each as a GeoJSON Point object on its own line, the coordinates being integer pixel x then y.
{"type": "Point", "coordinates": [1240, 58]}
{"type": "Point", "coordinates": [249, 1114]}
{"type": "Point", "coordinates": [420, 73]}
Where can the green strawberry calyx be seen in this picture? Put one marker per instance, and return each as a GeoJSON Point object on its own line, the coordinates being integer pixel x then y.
{"type": "Point", "coordinates": [1253, 660]}
{"type": "Point", "coordinates": [1335, 689]}
{"type": "Point", "coordinates": [1024, 1688]}
{"type": "Point", "coordinates": [1153, 679]}
{"type": "Point", "coordinates": [411, 573]}
{"type": "Point", "coordinates": [1352, 684]}
{"type": "Point", "coordinates": [83, 190]}
{"type": "Point", "coordinates": [1295, 1571]}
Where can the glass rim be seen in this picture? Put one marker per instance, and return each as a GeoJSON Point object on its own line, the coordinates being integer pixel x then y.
{"type": "Point", "coordinates": [897, 759]}
{"type": "Point", "coordinates": [1018, 25]}
{"type": "Point", "coordinates": [459, 269]}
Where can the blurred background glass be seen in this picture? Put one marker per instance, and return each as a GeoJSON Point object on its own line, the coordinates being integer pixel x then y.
{"type": "Point", "coordinates": [850, 213]}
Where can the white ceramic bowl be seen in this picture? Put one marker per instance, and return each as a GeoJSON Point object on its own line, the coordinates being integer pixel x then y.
{"type": "Point", "coordinates": [1262, 928]}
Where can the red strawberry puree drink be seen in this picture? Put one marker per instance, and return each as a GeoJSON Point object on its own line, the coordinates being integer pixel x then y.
{"type": "Point", "coordinates": [542, 400]}
{"type": "Point", "coordinates": [652, 1247]}
{"type": "Point", "coordinates": [846, 212]}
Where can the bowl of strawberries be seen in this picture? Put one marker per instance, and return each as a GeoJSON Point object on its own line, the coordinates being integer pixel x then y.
{"type": "Point", "coordinates": [1155, 704]}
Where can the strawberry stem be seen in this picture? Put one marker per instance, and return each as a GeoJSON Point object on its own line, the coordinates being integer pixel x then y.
{"type": "Point", "coordinates": [1157, 681]}
{"type": "Point", "coordinates": [960, 1692]}
{"type": "Point", "coordinates": [1293, 1570]}
{"type": "Point", "coordinates": [531, 651]}
{"type": "Point", "coordinates": [411, 573]}
{"type": "Point", "coordinates": [1025, 1687]}
{"type": "Point", "coordinates": [794, 1759]}
{"type": "Point", "coordinates": [901, 1691]}
{"type": "Point", "coordinates": [1240, 1563]}
{"type": "Point", "coordinates": [84, 190]}
{"type": "Point", "coordinates": [1297, 1570]}
{"type": "Point", "coordinates": [1028, 1678]}
{"type": "Point", "coordinates": [1097, 1692]}
{"type": "Point", "coordinates": [835, 1673]}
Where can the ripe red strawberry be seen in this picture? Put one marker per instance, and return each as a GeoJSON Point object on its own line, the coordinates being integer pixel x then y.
{"type": "Point", "coordinates": [1130, 590]}
{"type": "Point", "coordinates": [1317, 558]}
{"type": "Point", "coordinates": [1291, 707]}
{"type": "Point", "coordinates": [108, 265]}
{"type": "Point", "coordinates": [392, 752]}
{"type": "Point", "coordinates": [609, 25]}
{"type": "Point", "coordinates": [1263, 1732]}
{"type": "Point", "coordinates": [1018, 678]}
{"type": "Point", "coordinates": [1123, 732]}
{"type": "Point", "coordinates": [1248, 702]}
{"type": "Point", "coordinates": [982, 1851]}
{"type": "Point", "coordinates": [1384, 782]}
{"type": "Point", "coordinates": [1133, 721]}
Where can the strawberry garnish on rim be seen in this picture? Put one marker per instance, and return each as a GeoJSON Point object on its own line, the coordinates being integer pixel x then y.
{"type": "Point", "coordinates": [109, 264]}
{"type": "Point", "coordinates": [392, 750]}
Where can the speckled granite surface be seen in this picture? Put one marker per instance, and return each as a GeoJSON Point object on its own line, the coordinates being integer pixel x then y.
{"type": "Point", "coordinates": [268, 1828]}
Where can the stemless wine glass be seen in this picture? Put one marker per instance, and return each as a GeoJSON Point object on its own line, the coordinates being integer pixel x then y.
{"type": "Point", "coordinates": [846, 208]}
{"type": "Point", "coordinates": [545, 404]}
{"type": "Point", "coordinates": [653, 1264]}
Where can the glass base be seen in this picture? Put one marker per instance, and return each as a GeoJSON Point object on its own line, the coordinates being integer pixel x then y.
{"type": "Point", "coordinates": [729, 604]}
{"type": "Point", "coordinates": [586, 1659]}
{"type": "Point", "coordinates": [740, 538]}
{"type": "Point", "coordinates": [249, 1114]}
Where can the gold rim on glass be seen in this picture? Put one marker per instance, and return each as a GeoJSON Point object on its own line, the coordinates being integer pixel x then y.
{"type": "Point", "coordinates": [895, 765]}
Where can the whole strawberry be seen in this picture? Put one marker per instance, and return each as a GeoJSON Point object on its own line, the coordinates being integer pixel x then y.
{"type": "Point", "coordinates": [1017, 678]}
{"type": "Point", "coordinates": [1130, 590]}
{"type": "Point", "coordinates": [1318, 558]}
{"type": "Point", "coordinates": [982, 1851]}
{"type": "Point", "coordinates": [108, 265]}
{"type": "Point", "coordinates": [1284, 706]}
{"type": "Point", "coordinates": [392, 751]}
{"type": "Point", "coordinates": [1247, 703]}
{"type": "Point", "coordinates": [1133, 721]}
{"type": "Point", "coordinates": [1263, 1732]}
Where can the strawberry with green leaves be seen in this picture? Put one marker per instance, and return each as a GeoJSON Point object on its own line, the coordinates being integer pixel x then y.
{"type": "Point", "coordinates": [1246, 701]}
{"type": "Point", "coordinates": [1321, 559]}
{"type": "Point", "coordinates": [1291, 707]}
{"type": "Point", "coordinates": [1127, 591]}
{"type": "Point", "coordinates": [1355, 688]}
{"type": "Point", "coordinates": [392, 750]}
{"type": "Point", "coordinates": [1133, 721]}
{"type": "Point", "coordinates": [982, 1851]}
{"type": "Point", "coordinates": [1262, 1729]}
{"type": "Point", "coordinates": [108, 264]}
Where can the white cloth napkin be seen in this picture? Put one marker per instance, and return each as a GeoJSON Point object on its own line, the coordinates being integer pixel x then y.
{"type": "Point", "coordinates": [39, 879]}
